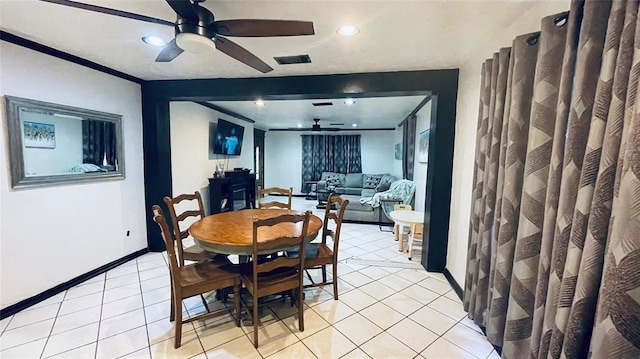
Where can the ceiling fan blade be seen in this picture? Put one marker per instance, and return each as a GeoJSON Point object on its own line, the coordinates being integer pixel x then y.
{"type": "Point", "coordinates": [241, 54]}
{"type": "Point", "coordinates": [105, 10]}
{"type": "Point", "coordinates": [169, 52]}
{"type": "Point", "coordinates": [263, 28]}
{"type": "Point", "coordinates": [184, 9]}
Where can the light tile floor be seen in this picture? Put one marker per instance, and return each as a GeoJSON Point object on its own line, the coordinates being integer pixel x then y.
{"type": "Point", "coordinates": [389, 307]}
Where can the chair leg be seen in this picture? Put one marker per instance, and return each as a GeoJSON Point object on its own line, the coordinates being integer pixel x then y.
{"type": "Point", "coordinates": [300, 309]}
{"type": "Point", "coordinates": [177, 325]}
{"type": "Point", "coordinates": [204, 301]}
{"type": "Point", "coordinates": [255, 322]}
{"type": "Point", "coordinates": [324, 274]}
{"type": "Point", "coordinates": [172, 314]}
{"type": "Point", "coordinates": [335, 280]}
{"type": "Point", "coordinates": [236, 300]}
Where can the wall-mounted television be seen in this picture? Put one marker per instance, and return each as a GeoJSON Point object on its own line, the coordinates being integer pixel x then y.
{"type": "Point", "coordinates": [228, 138]}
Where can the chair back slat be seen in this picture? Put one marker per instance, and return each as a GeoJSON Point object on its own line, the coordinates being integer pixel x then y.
{"type": "Point", "coordinates": [336, 217]}
{"type": "Point", "coordinates": [187, 214]}
{"type": "Point", "coordinates": [177, 219]}
{"type": "Point", "coordinates": [265, 226]}
{"type": "Point", "coordinates": [402, 207]}
{"type": "Point", "coordinates": [278, 263]}
{"type": "Point", "coordinates": [274, 204]}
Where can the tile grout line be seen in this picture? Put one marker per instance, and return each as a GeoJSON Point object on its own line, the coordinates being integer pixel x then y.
{"type": "Point", "coordinates": [52, 326]}
{"type": "Point", "coordinates": [95, 352]}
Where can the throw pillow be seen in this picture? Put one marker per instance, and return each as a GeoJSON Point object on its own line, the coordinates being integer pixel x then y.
{"type": "Point", "coordinates": [371, 181]}
{"type": "Point", "coordinates": [333, 181]}
{"type": "Point", "coordinates": [385, 183]}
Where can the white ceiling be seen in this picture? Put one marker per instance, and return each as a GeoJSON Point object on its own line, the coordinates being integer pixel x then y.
{"type": "Point", "coordinates": [372, 112]}
{"type": "Point", "coordinates": [395, 35]}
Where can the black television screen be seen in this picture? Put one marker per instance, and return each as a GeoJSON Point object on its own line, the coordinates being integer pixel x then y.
{"type": "Point", "coordinates": [228, 138]}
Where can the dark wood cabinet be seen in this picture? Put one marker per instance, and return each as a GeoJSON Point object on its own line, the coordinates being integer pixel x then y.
{"type": "Point", "coordinates": [235, 191]}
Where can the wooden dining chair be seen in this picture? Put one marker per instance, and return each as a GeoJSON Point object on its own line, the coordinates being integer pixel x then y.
{"type": "Point", "coordinates": [279, 274]}
{"type": "Point", "coordinates": [320, 254]}
{"type": "Point", "coordinates": [195, 279]}
{"type": "Point", "coordinates": [277, 191]}
{"type": "Point", "coordinates": [191, 209]}
{"type": "Point", "coordinates": [416, 234]}
{"type": "Point", "coordinates": [398, 230]}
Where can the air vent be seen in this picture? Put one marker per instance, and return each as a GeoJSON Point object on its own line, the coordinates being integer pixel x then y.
{"type": "Point", "coordinates": [317, 104]}
{"type": "Point", "coordinates": [336, 124]}
{"type": "Point", "coordinates": [288, 60]}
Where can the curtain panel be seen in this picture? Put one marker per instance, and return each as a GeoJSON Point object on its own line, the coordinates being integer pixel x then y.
{"type": "Point", "coordinates": [329, 153]}
{"type": "Point", "coordinates": [98, 142]}
{"type": "Point", "coordinates": [553, 265]}
{"type": "Point", "coordinates": [408, 146]}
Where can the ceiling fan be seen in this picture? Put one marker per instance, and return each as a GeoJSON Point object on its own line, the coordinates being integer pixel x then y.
{"type": "Point", "coordinates": [316, 127]}
{"type": "Point", "coordinates": [196, 30]}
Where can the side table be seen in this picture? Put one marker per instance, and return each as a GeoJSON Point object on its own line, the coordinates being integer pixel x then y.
{"type": "Point", "coordinates": [311, 186]}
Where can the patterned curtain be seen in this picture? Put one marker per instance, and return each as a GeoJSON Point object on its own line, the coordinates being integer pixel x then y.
{"type": "Point", "coordinates": [554, 243]}
{"type": "Point", "coordinates": [98, 141]}
{"type": "Point", "coordinates": [408, 146]}
{"type": "Point", "coordinates": [328, 153]}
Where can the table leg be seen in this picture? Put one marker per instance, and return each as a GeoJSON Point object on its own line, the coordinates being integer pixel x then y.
{"type": "Point", "coordinates": [400, 235]}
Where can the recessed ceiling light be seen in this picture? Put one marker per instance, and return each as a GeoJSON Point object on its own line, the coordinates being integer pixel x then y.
{"type": "Point", "coordinates": [259, 103]}
{"type": "Point", "coordinates": [354, 125]}
{"type": "Point", "coordinates": [349, 101]}
{"type": "Point", "coordinates": [299, 125]}
{"type": "Point", "coordinates": [348, 30]}
{"type": "Point", "coordinates": [153, 40]}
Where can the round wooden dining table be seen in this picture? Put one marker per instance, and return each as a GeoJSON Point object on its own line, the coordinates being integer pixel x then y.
{"type": "Point", "coordinates": [232, 232]}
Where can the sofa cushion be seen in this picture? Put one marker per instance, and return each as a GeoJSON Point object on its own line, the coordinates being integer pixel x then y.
{"type": "Point", "coordinates": [355, 205]}
{"type": "Point", "coordinates": [371, 181]}
{"type": "Point", "coordinates": [333, 181]}
{"type": "Point", "coordinates": [351, 190]}
{"type": "Point", "coordinates": [385, 183]}
{"type": "Point", "coordinates": [353, 180]}
{"type": "Point", "coordinates": [340, 176]}
{"type": "Point", "coordinates": [367, 192]}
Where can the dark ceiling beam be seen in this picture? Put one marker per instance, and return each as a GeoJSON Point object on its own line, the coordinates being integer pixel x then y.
{"type": "Point", "coordinates": [338, 130]}
{"type": "Point", "coordinates": [32, 45]}
{"type": "Point", "coordinates": [225, 111]}
{"type": "Point", "coordinates": [415, 110]}
{"type": "Point", "coordinates": [441, 85]}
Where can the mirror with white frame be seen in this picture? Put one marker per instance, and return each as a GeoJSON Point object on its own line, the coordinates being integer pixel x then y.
{"type": "Point", "coordinates": [51, 144]}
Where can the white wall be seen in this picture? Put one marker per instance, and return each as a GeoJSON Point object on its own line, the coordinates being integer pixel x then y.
{"type": "Point", "coordinates": [191, 167]}
{"type": "Point", "coordinates": [420, 169]}
{"type": "Point", "coordinates": [466, 121]}
{"type": "Point", "coordinates": [58, 160]}
{"type": "Point", "coordinates": [283, 156]}
{"type": "Point", "coordinates": [377, 151]}
{"type": "Point", "coordinates": [54, 234]}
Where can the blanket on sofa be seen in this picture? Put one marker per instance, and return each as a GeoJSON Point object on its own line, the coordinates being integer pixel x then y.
{"type": "Point", "coordinates": [401, 190]}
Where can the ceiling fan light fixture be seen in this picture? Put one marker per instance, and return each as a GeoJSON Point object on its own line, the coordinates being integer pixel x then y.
{"type": "Point", "coordinates": [194, 43]}
{"type": "Point", "coordinates": [348, 30]}
{"type": "Point", "coordinates": [153, 41]}
{"type": "Point", "coordinates": [354, 125]}
{"type": "Point", "coordinates": [349, 101]}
